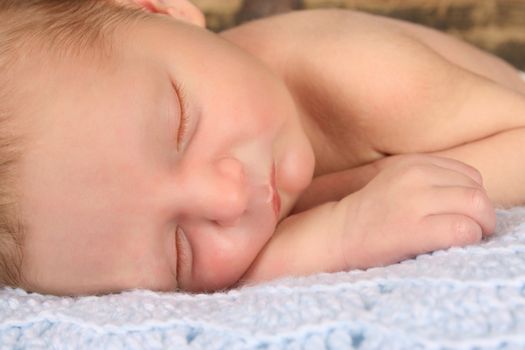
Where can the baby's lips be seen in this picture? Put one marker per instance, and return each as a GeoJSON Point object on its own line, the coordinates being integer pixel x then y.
{"type": "Point", "coordinates": [262, 194]}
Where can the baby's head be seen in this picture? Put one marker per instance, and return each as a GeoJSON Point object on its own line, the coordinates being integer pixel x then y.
{"type": "Point", "coordinates": [137, 149]}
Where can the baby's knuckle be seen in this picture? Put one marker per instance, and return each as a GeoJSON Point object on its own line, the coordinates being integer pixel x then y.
{"type": "Point", "coordinates": [476, 171]}
{"type": "Point", "coordinates": [415, 173]}
{"type": "Point", "coordinates": [464, 231]}
{"type": "Point", "coordinates": [477, 198]}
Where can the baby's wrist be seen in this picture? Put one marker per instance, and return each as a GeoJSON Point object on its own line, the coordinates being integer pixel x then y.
{"type": "Point", "coordinates": [349, 233]}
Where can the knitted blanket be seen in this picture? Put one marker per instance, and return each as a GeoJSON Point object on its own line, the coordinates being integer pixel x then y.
{"type": "Point", "coordinates": [460, 298]}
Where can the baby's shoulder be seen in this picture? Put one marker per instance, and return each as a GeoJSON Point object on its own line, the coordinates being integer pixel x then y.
{"type": "Point", "coordinates": [279, 39]}
{"type": "Point", "coordinates": [314, 43]}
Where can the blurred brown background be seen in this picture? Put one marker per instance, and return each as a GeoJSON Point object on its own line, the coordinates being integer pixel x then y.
{"type": "Point", "coordinates": [494, 25]}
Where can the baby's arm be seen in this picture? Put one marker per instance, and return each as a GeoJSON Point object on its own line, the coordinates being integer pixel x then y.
{"type": "Point", "coordinates": [403, 89]}
{"type": "Point", "coordinates": [496, 151]}
{"type": "Point", "coordinates": [500, 158]}
{"type": "Point", "coordinates": [419, 204]}
{"type": "Point", "coordinates": [487, 130]}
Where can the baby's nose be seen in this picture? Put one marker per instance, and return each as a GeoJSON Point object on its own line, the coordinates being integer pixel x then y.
{"type": "Point", "coordinates": [225, 195]}
{"type": "Point", "coordinates": [231, 168]}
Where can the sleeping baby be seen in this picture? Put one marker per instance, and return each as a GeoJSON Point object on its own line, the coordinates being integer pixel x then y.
{"type": "Point", "coordinates": [139, 150]}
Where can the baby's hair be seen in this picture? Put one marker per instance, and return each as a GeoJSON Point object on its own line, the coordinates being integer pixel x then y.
{"type": "Point", "coordinates": [40, 30]}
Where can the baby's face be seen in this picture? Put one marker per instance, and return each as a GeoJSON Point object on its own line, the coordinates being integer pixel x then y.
{"type": "Point", "coordinates": [185, 133]}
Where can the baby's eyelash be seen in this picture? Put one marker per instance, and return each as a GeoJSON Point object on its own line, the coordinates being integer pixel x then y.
{"type": "Point", "coordinates": [178, 249]}
{"type": "Point", "coordinates": [183, 125]}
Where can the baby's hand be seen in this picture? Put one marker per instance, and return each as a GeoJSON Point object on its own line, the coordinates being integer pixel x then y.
{"type": "Point", "coordinates": [416, 204]}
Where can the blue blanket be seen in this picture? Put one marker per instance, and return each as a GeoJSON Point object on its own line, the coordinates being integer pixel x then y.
{"type": "Point", "coordinates": [461, 298]}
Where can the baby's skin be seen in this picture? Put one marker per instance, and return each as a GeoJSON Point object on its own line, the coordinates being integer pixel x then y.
{"type": "Point", "coordinates": [371, 91]}
{"type": "Point", "coordinates": [317, 141]}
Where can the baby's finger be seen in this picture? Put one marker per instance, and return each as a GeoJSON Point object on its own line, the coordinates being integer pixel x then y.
{"type": "Point", "coordinates": [445, 231]}
{"type": "Point", "coordinates": [443, 162]}
{"type": "Point", "coordinates": [456, 165]}
{"type": "Point", "coordinates": [444, 177]}
{"type": "Point", "coordinates": [468, 201]}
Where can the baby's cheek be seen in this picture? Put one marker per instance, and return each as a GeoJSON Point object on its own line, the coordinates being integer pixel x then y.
{"type": "Point", "coordinates": [221, 258]}
{"type": "Point", "coordinates": [294, 170]}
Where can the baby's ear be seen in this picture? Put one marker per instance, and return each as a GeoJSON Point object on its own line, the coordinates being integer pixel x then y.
{"type": "Point", "coordinates": [182, 10]}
